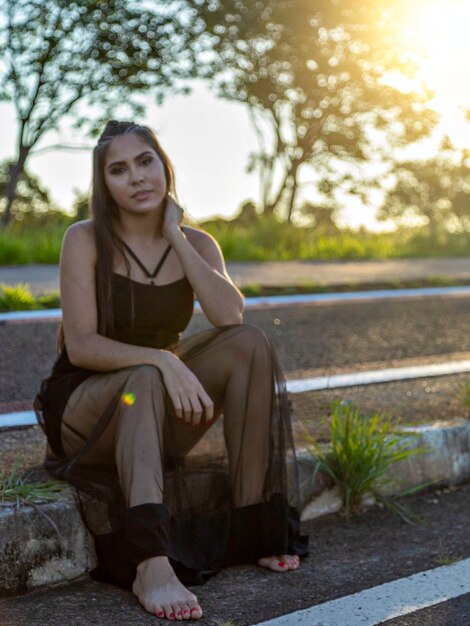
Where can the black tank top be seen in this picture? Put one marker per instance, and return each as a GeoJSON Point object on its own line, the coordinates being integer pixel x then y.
{"type": "Point", "coordinates": [144, 315]}
{"type": "Point", "coordinates": [151, 315]}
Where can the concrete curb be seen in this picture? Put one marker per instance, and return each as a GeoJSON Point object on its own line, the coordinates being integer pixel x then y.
{"type": "Point", "coordinates": [37, 551]}
{"type": "Point", "coordinates": [43, 545]}
{"type": "Point", "coordinates": [446, 462]}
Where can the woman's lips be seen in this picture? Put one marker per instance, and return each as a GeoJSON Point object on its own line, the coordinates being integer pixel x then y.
{"type": "Point", "coordinates": [141, 195]}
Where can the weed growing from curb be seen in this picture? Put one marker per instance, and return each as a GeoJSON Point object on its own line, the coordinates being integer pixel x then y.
{"type": "Point", "coordinates": [14, 491]}
{"type": "Point", "coordinates": [20, 298]}
{"type": "Point", "coordinates": [363, 449]}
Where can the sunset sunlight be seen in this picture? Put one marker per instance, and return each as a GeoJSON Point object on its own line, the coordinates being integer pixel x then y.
{"type": "Point", "coordinates": [438, 32]}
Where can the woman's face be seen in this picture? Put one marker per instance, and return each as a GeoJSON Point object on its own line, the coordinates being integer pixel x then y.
{"type": "Point", "coordinates": [134, 174]}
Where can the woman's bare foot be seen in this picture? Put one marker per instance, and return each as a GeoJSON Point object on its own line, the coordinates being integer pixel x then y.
{"type": "Point", "coordinates": [161, 593]}
{"type": "Point", "coordinates": [283, 563]}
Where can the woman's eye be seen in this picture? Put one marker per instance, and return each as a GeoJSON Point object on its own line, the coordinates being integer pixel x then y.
{"type": "Point", "coordinates": [117, 170]}
{"type": "Point", "coordinates": [146, 161]}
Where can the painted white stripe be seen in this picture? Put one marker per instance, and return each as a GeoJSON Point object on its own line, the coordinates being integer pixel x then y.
{"type": "Point", "coordinates": [383, 294]}
{"type": "Point", "coordinates": [354, 379]}
{"type": "Point", "coordinates": [378, 604]}
{"type": "Point", "coordinates": [31, 316]}
{"type": "Point", "coordinates": [380, 294]}
{"type": "Point", "coordinates": [23, 418]}
{"type": "Point", "coordinates": [336, 381]}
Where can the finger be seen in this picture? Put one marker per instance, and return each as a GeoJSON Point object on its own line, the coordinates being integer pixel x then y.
{"type": "Point", "coordinates": [197, 410]}
{"type": "Point", "coordinates": [177, 406]}
{"type": "Point", "coordinates": [187, 409]}
{"type": "Point", "coordinates": [208, 406]}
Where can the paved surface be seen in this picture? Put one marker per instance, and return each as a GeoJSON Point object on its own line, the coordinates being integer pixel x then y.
{"type": "Point", "coordinates": [345, 558]}
{"type": "Point", "coordinates": [44, 278]}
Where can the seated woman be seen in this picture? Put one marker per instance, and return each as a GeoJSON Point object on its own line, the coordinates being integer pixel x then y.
{"type": "Point", "coordinates": [129, 403]}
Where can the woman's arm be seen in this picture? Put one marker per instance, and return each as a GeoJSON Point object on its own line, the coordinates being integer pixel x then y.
{"type": "Point", "coordinates": [204, 266]}
{"type": "Point", "coordinates": [89, 350]}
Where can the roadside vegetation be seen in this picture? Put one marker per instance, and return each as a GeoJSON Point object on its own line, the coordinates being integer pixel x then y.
{"type": "Point", "coordinates": [358, 459]}
{"type": "Point", "coordinates": [16, 491]}
{"type": "Point", "coordinates": [19, 297]}
{"type": "Point", "coordinates": [266, 239]}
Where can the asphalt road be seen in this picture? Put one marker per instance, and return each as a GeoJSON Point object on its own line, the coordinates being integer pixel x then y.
{"type": "Point", "coordinates": [309, 338]}
{"type": "Point", "coordinates": [43, 278]}
{"type": "Point", "coordinates": [345, 557]}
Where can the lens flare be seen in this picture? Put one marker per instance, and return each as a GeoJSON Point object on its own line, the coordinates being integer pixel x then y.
{"type": "Point", "coordinates": [128, 398]}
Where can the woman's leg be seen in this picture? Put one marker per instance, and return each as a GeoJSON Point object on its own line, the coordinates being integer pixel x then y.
{"type": "Point", "coordinates": [133, 439]}
{"type": "Point", "coordinates": [237, 371]}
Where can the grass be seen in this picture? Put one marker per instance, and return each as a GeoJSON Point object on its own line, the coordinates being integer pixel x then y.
{"type": "Point", "coordinates": [267, 239]}
{"type": "Point", "coordinates": [363, 450]}
{"type": "Point", "coordinates": [14, 491]}
{"type": "Point", "coordinates": [20, 298]}
{"type": "Point", "coordinates": [21, 245]}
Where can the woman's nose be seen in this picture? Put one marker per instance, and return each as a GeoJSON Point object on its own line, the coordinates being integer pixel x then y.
{"type": "Point", "coordinates": [135, 175]}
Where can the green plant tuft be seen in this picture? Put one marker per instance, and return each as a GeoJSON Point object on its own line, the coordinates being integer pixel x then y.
{"type": "Point", "coordinates": [362, 451]}
{"type": "Point", "coordinates": [15, 491]}
{"type": "Point", "coordinates": [17, 297]}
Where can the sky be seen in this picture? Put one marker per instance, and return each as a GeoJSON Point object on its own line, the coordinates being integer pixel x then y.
{"type": "Point", "coordinates": [209, 139]}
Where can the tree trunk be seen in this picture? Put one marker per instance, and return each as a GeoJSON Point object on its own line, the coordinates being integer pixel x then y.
{"type": "Point", "coordinates": [290, 206]}
{"type": "Point", "coordinates": [14, 176]}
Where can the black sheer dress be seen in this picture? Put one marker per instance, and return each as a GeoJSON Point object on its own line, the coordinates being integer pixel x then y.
{"type": "Point", "coordinates": [205, 496]}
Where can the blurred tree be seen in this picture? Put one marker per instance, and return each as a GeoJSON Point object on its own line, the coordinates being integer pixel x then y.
{"type": "Point", "coordinates": [61, 54]}
{"type": "Point", "coordinates": [433, 191]}
{"type": "Point", "coordinates": [31, 198]}
{"type": "Point", "coordinates": [321, 216]}
{"type": "Point", "coordinates": [314, 76]}
{"type": "Point", "coordinates": [247, 214]}
{"type": "Point", "coordinates": [81, 205]}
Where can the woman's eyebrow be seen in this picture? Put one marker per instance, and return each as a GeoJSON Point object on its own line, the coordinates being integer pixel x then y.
{"type": "Point", "coordinates": [139, 156]}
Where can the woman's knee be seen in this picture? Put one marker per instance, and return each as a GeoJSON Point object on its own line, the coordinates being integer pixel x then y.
{"type": "Point", "coordinates": [247, 339]}
{"type": "Point", "coordinates": [145, 376]}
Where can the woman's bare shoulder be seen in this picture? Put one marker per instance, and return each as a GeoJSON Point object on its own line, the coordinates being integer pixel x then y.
{"type": "Point", "coordinates": [79, 239]}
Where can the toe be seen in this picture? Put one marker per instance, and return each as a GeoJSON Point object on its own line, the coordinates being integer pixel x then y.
{"type": "Point", "coordinates": [159, 612]}
{"type": "Point", "coordinates": [169, 612]}
{"type": "Point", "coordinates": [196, 612]}
{"type": "Point", "coordinates": [291, 560]}
{"type": "Point", "coordinates": [178, 613]}
{"type": "Point", "coordinates": [274, 563]}
{"type": "Point", "coordinates": [186, 609]}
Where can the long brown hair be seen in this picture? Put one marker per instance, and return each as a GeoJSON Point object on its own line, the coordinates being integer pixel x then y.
{"type": "Point", "coordinates": [103, 209]}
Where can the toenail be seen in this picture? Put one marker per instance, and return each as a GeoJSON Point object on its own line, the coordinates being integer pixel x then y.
{"type": "Point", "coordinates": [281, 564]}
{"type": "Point", "coordinates": [171, 616]}
{"type": "Point", "coordinates": [160, 614]}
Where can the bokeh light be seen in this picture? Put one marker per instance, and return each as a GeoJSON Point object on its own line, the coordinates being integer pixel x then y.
{"type": "Point", "coordinates": [128, 398]}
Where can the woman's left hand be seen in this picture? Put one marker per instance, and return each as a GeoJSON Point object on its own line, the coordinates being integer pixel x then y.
{"type": "Point", "coordinates": [172, 218]}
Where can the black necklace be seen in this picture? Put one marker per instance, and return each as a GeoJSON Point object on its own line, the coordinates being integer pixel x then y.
{"type": "Point", "coordinates": [150, 275]}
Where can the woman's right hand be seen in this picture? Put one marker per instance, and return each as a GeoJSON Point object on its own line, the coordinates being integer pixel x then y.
{"type": "Point", "coordinates": [189, 397]}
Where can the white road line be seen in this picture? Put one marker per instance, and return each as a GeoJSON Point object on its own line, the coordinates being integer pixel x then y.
{"type": "Point", "coordinates": [22, 418]}
{"type": "Point", "coordinates": [272, 301]}
{"type": "Point", "coordinates": [378, 604]}
{"type": "Point", "coordinates": [354, 379]}
{"type": "Point", "coordinates": [336, 381]}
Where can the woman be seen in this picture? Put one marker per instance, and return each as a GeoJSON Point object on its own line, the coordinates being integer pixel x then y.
{"type": "Point", "coordinates": [128, 404]}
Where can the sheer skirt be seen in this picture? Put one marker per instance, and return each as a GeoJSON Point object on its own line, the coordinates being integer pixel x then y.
{"type": "Point", "coordinates": [205, 496]}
